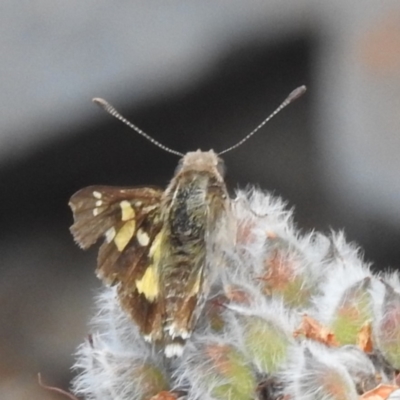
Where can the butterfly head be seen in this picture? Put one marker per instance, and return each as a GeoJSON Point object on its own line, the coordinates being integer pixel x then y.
{"type": "Point", "coordinates": [207, 161]}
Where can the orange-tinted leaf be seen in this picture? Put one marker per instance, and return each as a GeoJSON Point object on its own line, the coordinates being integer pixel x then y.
{"type": "Point", "coordinates": [280, 271]}
{"type": "Point", "coordinates": [364, 338]}
{"type": "Point", "coordinates": [237, 294]}
{"type": "Point", "coordinates": [164, 395]}
{"type": "Point", "coordinates": [219, 355]}
{"type": "Point", "coordinates": [381, 392]}
{"type": "Point", "coordinates": [312, 329]}
{"type": "Point", "coordinates": [244, 233]}
{"type": "Point", "coordinates": [271, 235]}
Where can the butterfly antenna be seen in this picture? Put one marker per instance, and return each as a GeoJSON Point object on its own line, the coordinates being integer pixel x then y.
{"type": "Point", "coordinates": [292, 97]}
{"type": "Point", "coordinates": [112, 111]}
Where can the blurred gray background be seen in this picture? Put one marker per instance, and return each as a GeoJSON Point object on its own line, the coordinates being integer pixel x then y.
{"type": "Point", "coordinates": [194, 74]}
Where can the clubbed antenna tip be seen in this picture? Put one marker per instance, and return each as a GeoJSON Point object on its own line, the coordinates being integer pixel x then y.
{"type": "Point", "coordinates": [298, 92]}
{"type": "Point", "coordinates": [101, 102]}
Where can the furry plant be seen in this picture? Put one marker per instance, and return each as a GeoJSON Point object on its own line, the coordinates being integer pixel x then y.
{"type": "Point", "coordinates": [289, 316]}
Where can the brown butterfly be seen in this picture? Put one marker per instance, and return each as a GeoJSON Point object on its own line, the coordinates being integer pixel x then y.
{"type": "Point", "coordinates": [159, 244]}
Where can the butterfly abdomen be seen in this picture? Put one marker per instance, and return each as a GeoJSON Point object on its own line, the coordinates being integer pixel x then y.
{"type": "Point", "coordinates": [182, 272]}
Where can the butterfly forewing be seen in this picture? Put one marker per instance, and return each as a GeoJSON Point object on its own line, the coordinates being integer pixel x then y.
{"type": "Point", "coordinates": [129, 220]}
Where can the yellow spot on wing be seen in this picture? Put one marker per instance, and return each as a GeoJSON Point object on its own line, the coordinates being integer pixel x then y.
{"type": "Point", "coordinates": [196, 287]}
{"type": "Point", "coordinates": [125, 234]}
{"type": "Point", "coordinates": [148, 285]}
{"type": "Point", "coordinates": [127, 211]}
{"type": "Point", "coordinates": [97, 194]}
{"type": "Point", "coordinates": [155, 249]}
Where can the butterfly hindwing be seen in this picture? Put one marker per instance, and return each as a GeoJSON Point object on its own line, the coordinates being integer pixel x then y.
{"type": "Point", "coordinates": [129, 220]}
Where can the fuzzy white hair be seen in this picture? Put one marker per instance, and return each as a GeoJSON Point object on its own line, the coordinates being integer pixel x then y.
{"type": "Point", "coordinates": [202, 377]}
{"type": "Point", "coordinates": [263, 332]}
{"type": "Point", "coordinates": [314, 373]}
{"type": "Point", "coordinates": [115, 363]}
{"type": "Point", "coordinates": [245, 331]}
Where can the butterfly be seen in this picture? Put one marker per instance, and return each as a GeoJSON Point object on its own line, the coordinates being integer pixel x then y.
{"type": "Point", "coordinates": [159, 245]}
